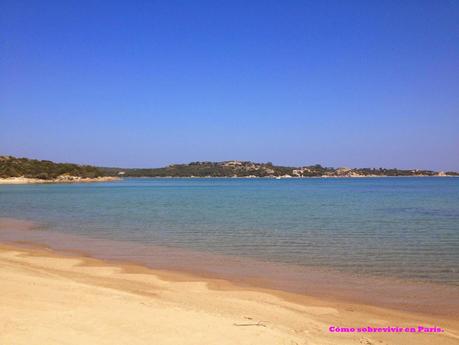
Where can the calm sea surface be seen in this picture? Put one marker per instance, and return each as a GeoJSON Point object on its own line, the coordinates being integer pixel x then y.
{"type": "Point", "coordinates": [399, 227]}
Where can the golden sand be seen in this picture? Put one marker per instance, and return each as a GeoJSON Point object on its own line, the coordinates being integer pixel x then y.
{"type": "Point", "coordinates": [59, 179]}
{"type": "Point", "coordinates": [52, 298]}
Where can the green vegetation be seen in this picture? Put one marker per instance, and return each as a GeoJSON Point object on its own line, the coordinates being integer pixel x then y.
{"type": "Point", "coordinates": [45, 170]}
{"type": "Point", "coordinates": [212, 169]}
{"type": "Point", "coordinates": [246, 169]}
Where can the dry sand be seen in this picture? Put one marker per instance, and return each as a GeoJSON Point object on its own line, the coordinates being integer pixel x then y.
{"type": "Point", "coordinates": [59, 179]}
{"type": "Point", "coordinates": [52, 298]}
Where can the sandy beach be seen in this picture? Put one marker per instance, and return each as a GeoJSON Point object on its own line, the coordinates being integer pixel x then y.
{"type": "Point", "coordinates": [54, 298]}
{"type": "Point", "coordinates": [60, 179]}
{"type": "Point", "coordinates": [229, 172]}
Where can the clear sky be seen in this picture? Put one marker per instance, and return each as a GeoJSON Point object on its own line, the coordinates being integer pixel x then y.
{"type": "Point", "coordinates": [149, 83]}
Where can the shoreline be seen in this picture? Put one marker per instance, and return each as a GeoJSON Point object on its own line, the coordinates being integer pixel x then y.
{"type": "Point", "coordinates": [60, 180]}
{"type": "Point", "coordinates": [282, 177]}
{"type": "Point", "coordinates": [385, 292]}
{"type": "Point", "coordinates": [76, 180]}
{"type": "Point", "coordinates": [62, 294]}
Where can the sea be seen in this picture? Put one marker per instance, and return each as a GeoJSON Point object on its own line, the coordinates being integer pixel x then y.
{"type": "Point", "coordinates": [389, 241]}
{"type": "Point", "coordinates": [399, 227]}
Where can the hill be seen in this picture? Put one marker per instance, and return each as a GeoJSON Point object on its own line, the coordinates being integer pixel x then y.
{"type": "Point", "coordinates": [44, 169]}
{"type": "Point", "coordinates": [12, 167]}
{"type": "Point", "coordinates": [251, 169]}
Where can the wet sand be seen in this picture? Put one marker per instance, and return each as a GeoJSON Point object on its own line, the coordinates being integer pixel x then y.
{"type": "Point", "coordinates": [57, 296]}
{"type": "Point", "coordinates": [419, 297]}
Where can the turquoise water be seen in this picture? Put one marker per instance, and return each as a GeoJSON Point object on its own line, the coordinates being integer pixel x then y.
{"type": "Point", "coordinates": [399, 227]}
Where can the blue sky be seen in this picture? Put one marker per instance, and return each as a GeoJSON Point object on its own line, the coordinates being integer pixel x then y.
{"type": "Point", "coordinates": [149, 83]}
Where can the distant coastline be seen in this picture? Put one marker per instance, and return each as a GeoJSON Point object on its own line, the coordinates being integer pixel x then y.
{"type": "Point", "coordinates": [27, 171]}
{"type": "Point", "coordinates": [285, 177]}
{"type": "Point", "coordinates": [75, 179]}
{"type": "Point", "coordinates": [60, 179]}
